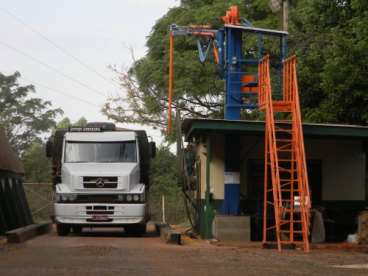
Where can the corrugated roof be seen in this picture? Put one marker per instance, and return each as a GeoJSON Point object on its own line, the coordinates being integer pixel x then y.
{"type": "Point", "coordinates": [9, 160]}
{"type": "Point", "coordinates": [192, 127]}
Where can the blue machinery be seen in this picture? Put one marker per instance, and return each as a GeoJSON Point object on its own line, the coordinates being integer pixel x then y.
{"type": "Point", "coordinates": [238, 66]}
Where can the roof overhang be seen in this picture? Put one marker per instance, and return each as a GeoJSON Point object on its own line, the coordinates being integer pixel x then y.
{"type": "Point", "coordinates": [198, 127]}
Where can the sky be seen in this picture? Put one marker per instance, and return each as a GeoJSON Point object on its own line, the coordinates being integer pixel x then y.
{"type": "Point", "coordinates": [98, 33]}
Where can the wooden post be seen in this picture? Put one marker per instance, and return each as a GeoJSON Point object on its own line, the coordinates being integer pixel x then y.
{"type": "Point", "coordinates": [170, 87]}
{"type": "Point", "coordinates": [285, 14]}
{"type": "Point", "coordinates": [163, 209]}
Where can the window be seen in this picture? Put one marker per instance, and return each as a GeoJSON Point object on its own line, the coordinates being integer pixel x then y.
{"type": "Point", "coordinates": [100, 152]}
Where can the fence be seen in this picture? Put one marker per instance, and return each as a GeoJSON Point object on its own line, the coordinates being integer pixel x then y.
{"type": "Point", "coordinates": [40, 198]}
{"type": "Point", "coordinates": [174, 208]}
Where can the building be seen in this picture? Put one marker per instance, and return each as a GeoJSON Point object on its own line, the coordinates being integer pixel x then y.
{"type": "Point", "coordinates": [14, 209]}
{"type": "Point", "coordinates": [230, 157]}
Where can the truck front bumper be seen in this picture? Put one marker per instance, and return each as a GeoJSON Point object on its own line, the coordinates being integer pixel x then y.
{"type": "Point", "coordinates": [99, 213]}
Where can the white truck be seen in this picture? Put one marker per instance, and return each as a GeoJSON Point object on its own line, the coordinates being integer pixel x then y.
{"type": "Point", "coordinates": [101, 177]}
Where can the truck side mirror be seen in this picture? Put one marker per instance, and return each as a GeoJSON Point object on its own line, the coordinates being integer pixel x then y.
{"type": "Point", "coordinates": [49, 148]}
{"type": "Point", "coordinates": [152, 149]}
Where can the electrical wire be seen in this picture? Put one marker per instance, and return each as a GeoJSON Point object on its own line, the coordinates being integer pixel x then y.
{"type": "Point", "coordinates": [52, 68]}
{"type": "Point", "coordinates": [61, 49]}
{"type": "Point", "coordinates": [61, 92]}
{"type": "Point", "coordinates": [56, 91]}
{"type": "Point", "coordinates": [65, 94]}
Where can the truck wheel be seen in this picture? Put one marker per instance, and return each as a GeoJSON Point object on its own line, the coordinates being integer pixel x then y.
{"type": "Point", "coordinates": [62, 229]}
{"type": "Point", "coordinates": [77, 229]}
{"type": "Point", "coordinates": [136, 229]}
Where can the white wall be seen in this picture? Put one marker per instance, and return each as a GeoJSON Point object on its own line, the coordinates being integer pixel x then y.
{"type": "Point", "coordinates": [343, 166]}
{"type": "Point", "coordinates": [216, 167]}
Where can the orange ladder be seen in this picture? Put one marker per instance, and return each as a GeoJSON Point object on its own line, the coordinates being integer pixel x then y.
{"type": "Point", "coordinates": [286, 190]}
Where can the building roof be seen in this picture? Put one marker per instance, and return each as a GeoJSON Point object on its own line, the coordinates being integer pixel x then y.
{"type": "Point", "coordinates": [8, 158]}
{"type": "Point", "coordinates": [195, 127]}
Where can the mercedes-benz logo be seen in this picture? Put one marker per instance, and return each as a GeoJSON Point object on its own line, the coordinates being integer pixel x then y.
{"type": "Point", "coordinates": [100, 183]}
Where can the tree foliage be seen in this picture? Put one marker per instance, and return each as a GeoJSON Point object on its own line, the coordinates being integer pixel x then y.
{"type": "Point", "coordinates": [164, 173]}
{"type": "Point", "coordinates": [198, 89]}
{"type": "Point", "coordinates": [37, 166]}
{"type": "Point", "coordinates": [331, 41]}
{"type": "Point", "coordinates": [329, 37]}
{"type": "Point", "coordinates": [66, 122]}
{"type": "Point", "coordinates": [81, 122]}
{"type": "Point", "coordinates": [23, 117]}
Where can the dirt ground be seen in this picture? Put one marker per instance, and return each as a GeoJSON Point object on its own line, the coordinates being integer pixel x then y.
{"type": "Point", "coordinates": [113, 253]}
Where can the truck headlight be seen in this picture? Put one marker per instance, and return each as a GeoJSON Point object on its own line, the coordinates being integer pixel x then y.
{"type": "Point", "coordinates": [65, 197]}
{"type": "Point", "coordinates": [129, 198]}
{"type": "Point", "coordinates": [143, 197]}
{"type": "Point", "coordinates": [121, 198]}
{"type": "Point", "coordinates": [136, 198]}
{"type": "Point", "coordinates": [57, 197]}
{"type": "Point", "coordinates": [72, 197]}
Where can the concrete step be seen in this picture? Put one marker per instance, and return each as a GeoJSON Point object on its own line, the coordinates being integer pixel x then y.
{"type": "Point", "coordinates": [228, 235]}
{"type": "Point", "coordinates": [25, 233]}
{"type": "Point", "coordinates": [232, 228]}
{"type": "Point", "coordinates": [233, 221]}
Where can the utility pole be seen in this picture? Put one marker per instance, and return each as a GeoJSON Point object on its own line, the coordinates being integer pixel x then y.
{"type": "Point", "coordinates": [281, 5]}
{"type": "Point", "coordinates": [285, 14]}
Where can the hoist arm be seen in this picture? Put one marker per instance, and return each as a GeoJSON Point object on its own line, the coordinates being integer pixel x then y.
{"type": "Point", "coordinates": [194, 30]}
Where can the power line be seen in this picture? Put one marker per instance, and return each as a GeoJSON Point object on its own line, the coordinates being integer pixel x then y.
{"type": "Point", "coordinates": [61, 92]}
{"type": "Point", "coordinates": [64, 94]}
{"type": "Point", "coordinates": [62, 49]}
{"type": "Point", "coordinates": [52, 68]}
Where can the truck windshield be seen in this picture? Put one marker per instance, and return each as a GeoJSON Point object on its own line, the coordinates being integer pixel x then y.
{"type": "Point", "coordinates": [100, 152]}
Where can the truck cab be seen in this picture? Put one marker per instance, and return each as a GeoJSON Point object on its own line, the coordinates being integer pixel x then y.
{"type": "Point", "coordinates": [101, 177]}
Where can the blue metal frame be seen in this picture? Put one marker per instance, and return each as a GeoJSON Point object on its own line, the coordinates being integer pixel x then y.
{"type": "Point", "coordinates": [232, 67]}
{"type": "Point", "coordinates": [232, 64]}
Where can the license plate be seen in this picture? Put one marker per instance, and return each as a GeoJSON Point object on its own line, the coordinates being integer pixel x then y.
{"type": "Point", "coordinates": [100, 218]}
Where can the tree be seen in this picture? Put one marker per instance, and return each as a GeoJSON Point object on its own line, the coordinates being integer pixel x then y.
{"type": "Point", "coordinates": [198, 92]}
{"type": "Point", "coordinates": [164, 173]}
{"type": "Point", "coordinates": [23, 117]}
{"type": "Point", "coordinates": [66, 122]}
{"type": "Point", "coordinates": [37, 166]}
{"type": "Point", "coordinates": [329, 37]}
{"type": "Point", "coordinates": [331, 41]}
{"type": "Point", "coordinates": [82, 122]}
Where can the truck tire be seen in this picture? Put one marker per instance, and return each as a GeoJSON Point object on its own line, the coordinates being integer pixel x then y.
{"type": "Point", "coordinates": [62, 229]}
{"type": "Point", "coordinates": [136, 229]}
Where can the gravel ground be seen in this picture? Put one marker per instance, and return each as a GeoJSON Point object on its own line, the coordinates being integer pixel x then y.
{"type": "Point", "coordinates": [109, 253]}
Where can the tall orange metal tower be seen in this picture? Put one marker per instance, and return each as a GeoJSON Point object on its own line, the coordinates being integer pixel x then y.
{"type": "Point", "coordinates": [286, 190]}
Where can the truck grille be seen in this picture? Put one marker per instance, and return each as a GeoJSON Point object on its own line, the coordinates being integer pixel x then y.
{"type": "Point", "coordinates": [100, 182]}
{"type": "Point", "coordinates": [97, 199]}
{"type": "Point", "coordinates": [100, 210]}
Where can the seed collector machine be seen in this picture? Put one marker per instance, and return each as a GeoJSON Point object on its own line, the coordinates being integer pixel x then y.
{"type": "Point", "coordinates": [248, 86]}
